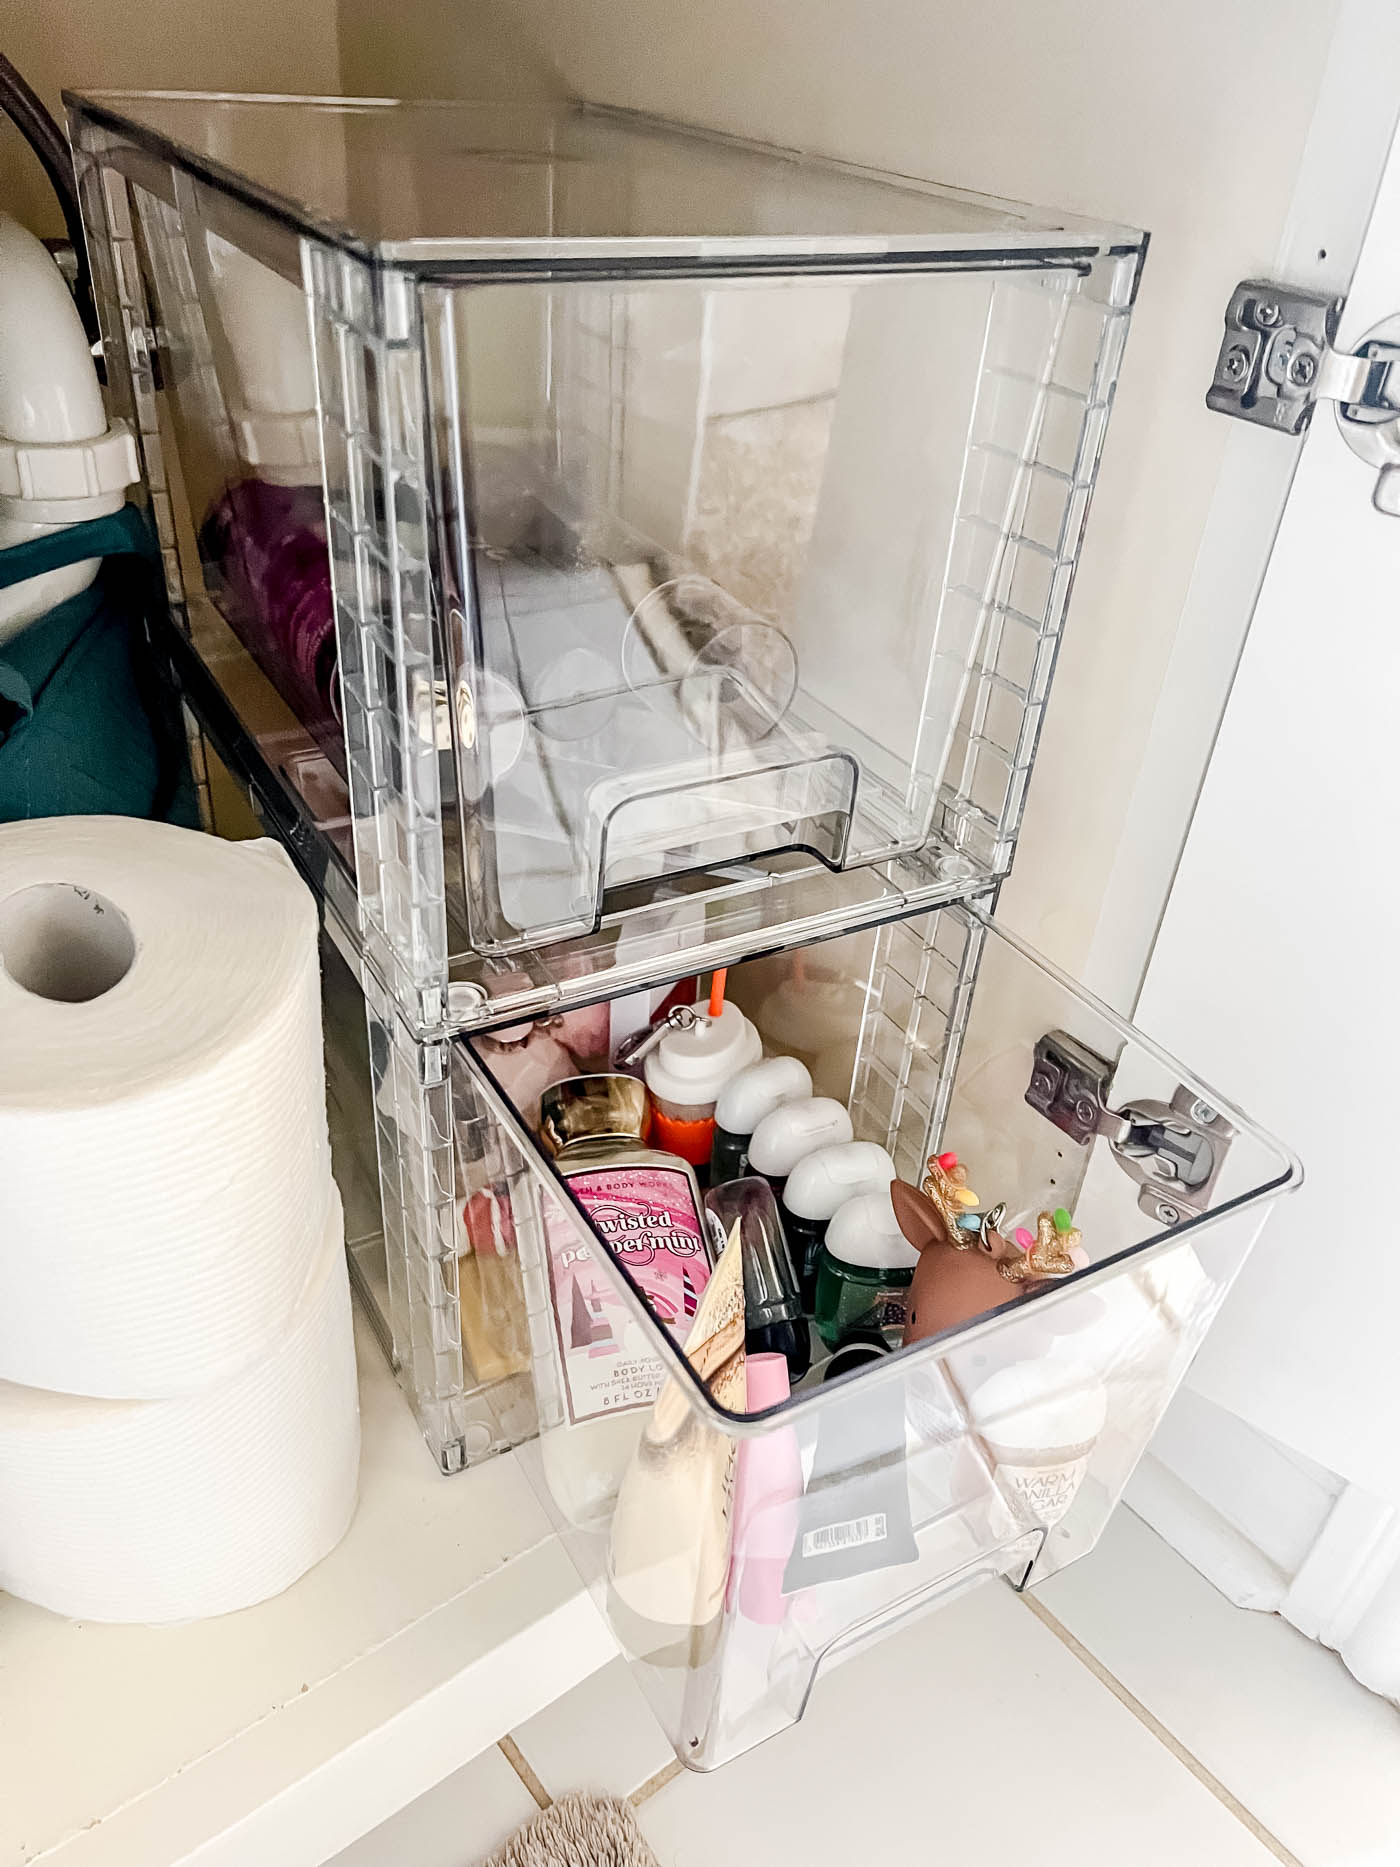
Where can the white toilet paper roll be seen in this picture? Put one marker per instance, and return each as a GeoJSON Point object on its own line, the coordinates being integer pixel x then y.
{"type": "Point", "coordinates": [170, 1510]}
{"type": "Point", "coordinates": [164, 1163]}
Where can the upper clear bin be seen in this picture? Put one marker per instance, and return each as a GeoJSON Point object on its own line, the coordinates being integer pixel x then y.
{"type": "Point", "coordinates": [567, 501]}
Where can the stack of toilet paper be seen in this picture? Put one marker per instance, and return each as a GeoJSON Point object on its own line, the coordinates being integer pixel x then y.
{"type": "Point", "coordinates": [179, 1431]}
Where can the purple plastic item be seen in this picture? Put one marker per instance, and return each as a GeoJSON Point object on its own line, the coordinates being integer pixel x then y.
{"type": "Point", "coordinates": [264, 547]}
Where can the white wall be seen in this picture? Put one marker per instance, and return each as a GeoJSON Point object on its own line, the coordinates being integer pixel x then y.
{"type": "Point", "coordinates": [262, 45]}
{"type": "Point", "coordinates": [1189, 119]}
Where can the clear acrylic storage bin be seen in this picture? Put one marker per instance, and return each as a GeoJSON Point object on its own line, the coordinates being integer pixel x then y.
{"type": "Point", "coordinates": [428, 1180]}
{"type": "Point", "coordinates": [737, 1557]}
{"type": "Point", "coordinates": [559, 501]}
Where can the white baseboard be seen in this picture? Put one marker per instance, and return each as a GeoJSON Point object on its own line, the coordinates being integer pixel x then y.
{"type": "Point", "coordinates": [1275, 1498]}
{"type": "Point", "coordinates": [1277, 1533]}
{"type": "Point", "coordinates": [1181, 1517]}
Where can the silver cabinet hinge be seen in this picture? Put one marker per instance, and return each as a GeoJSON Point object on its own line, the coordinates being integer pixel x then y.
{"type": "Point", "coordinates": [1172, 1150]}
{"type": "Point", "coordinates": [1277, 361]}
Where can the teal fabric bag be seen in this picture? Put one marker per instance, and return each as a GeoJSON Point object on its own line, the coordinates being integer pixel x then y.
{"type": "Point", "coordinates": [86, 727]}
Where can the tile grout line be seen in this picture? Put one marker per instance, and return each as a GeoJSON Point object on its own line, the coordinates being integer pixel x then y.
{"type": "Point", "coordinates": [518, 1762]}
{"type": "Point", "coordinates": [1160, 1731]}
{"type": "Point", "coordinates": [666, 1774]}
{"type": "Point", "coordinates": [515, 1757]}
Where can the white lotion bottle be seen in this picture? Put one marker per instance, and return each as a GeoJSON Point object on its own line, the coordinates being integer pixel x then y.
{"type": "Point", "coordinates": [686, 1073]}
{"type": "Point", "coordinates": [821, 1182]}
{"type": "Point", "coordinates": [796, 1129]}
{"type": "Point", "coordinates": [742, 1104]}
{"type": "Point", "coordinates": [864, 1271]}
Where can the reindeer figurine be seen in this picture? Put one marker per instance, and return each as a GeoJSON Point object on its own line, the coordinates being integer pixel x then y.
{"type": "Point", "coordinates": [966, 1267]}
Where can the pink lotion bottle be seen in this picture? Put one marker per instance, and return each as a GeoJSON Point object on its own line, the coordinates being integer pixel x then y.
{"type": "Point", "coordinates": [645, 1204]}
{"type": "Point", "coordinates": [645, 1208]}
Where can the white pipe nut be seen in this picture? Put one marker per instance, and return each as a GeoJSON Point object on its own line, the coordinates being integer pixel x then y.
{"type": "Point", "coordinates": [44, 470]}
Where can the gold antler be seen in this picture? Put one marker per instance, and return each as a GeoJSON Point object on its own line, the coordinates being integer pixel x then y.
{"type": "Point", "coordinates": [945, 1183]}
{"type": "Point", "coordinates": [1052, 1254]}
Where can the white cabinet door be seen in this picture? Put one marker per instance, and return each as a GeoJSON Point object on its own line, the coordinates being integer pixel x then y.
{"type": "Point", "coordinates": [1277, 969]}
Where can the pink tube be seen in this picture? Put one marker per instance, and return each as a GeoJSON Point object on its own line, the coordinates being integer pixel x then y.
{"type": "Point", "coordinates": [767, 1486]}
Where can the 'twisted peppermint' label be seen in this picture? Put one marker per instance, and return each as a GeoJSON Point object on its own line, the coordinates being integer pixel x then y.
{"type": "Point", "coordinates": [648, 1220]}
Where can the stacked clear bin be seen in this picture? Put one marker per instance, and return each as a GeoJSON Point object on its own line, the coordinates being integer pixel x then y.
{"type": "Point", "coordinates": [566, 515]}
{"type": "Point", "coordinates": [604, 552]}
{"type": "Point", "coordinates": [997, 1449]}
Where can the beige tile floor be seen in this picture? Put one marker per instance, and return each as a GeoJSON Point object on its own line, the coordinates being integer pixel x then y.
{"type": "Point", "coordinates": [1125, 1715]}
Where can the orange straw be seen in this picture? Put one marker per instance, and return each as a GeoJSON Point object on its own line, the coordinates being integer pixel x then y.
{"type": "Point", "coordinates": [721, 973]}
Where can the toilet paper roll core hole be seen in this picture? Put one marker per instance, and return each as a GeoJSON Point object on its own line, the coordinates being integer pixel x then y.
{"type": "Point", "coordinates": [64, 942]}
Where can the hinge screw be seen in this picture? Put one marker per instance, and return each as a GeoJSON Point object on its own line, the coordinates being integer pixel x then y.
{"type": "Point", "coordinates": [1302, 370]}
{"type": "Point", "coordinates": [1168, 1215]}
{"type": "Point", "coordinates": [1043, 1085]}
{"type": "Point", "coordinates": [1236, 364]}
{"type": "Point", "coordinates": [1266, 314]}
{"type": "Point", "coordinates": [1202, 1113]}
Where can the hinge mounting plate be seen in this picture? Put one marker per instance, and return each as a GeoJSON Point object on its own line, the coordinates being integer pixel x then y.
{"type": "Point", "coordinates": [1272, 355]}
{"type": "Point", "coordinates": [1277, 362]}
{"type": "Point", "coordinates": [1173, 1150]}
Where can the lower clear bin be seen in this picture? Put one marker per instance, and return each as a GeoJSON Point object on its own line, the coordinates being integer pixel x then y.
{"type": "Point", "coordinates": [735, 1553]}
{"type": "Point", "coordinates": [428, 1181]}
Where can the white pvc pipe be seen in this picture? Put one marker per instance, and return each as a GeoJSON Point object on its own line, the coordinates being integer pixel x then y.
{"type": "Point", "coordinates": [263, 320]}
{"type": "Point", "coordinates": [48, 393]}
{"type": "Point", "coordinates": [48, 385]}
{"type": "Point", "coordinates": [265, 324]}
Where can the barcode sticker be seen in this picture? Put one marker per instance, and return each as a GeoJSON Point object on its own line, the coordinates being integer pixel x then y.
{"type": "Point", "coordinates": [852, 1535]}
